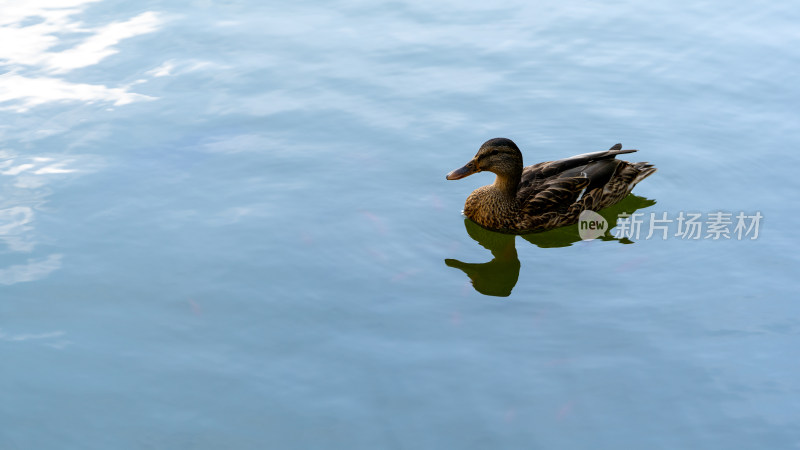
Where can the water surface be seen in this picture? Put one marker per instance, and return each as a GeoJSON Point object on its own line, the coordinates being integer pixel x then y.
{"type": "Point", "coordinates": [226, 225]}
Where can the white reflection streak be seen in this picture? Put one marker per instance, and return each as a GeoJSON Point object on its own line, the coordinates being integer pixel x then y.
{"type": "Point", "coordinates": [14, 226]}
{"type": "Point", "coordinates": [53, 339]}
{"type": "Point", "coordinates": [163, 70]}
{"type": "Point", "coordinates": [33, 52]}
{"type": "Point", "coordinates": [34, 269]}
{"type": "Point", "coordinates": [14, 218]}
{"type": "Point", "coordinates": [30, 92]}
{"type": "Point", "coordinates": [19, 182]}
{"type": "Point", "coordinates": [29, 337]}
{"type": "Point", "coordinates": [171, 68]}
{"type": "Point", "coordinates": [100, 45]}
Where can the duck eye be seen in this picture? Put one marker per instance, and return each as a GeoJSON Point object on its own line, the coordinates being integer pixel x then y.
{"type": "Point", "coordinates": [494, 152]}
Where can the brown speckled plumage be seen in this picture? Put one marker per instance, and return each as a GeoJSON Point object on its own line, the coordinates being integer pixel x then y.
{"type": "Point", "coordinates": [549, 194]}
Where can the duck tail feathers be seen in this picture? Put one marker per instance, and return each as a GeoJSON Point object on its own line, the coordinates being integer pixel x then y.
{"type": "Point", "coordinates": [645, 170]}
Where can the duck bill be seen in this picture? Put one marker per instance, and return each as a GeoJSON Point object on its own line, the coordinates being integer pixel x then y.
{"type": "Point", "coordinates": [465, 171]}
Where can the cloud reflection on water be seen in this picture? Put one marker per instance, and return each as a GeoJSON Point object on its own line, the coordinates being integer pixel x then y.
{"type": "Point", "coordinates": [36, 60]}
{"type": "Point", "coordinates": [23, 183]}
{"type": "Point", "coordinates": [53, 339]}
{"type": "Point", "coordinates": [51, 43]}
{"type": "Point", "coordinates": [32, 270]}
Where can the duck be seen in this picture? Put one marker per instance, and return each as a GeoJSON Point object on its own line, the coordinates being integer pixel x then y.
{"type": "Point", "coordinates": [549, 194]}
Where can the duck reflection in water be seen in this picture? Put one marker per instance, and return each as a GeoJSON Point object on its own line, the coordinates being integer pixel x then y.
{"type": "Point", "coordinates": [499, 276]}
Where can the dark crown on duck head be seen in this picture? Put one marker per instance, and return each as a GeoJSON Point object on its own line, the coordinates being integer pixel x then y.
{"type": "Point", "coordinates": [499, 155]}
{"type": "Point", "coordinates": [500, 142]}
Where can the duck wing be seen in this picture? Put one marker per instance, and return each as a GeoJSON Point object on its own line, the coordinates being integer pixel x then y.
{"type": "Point", "coordinates": [597, 167]}
{"type": "Point", "coordinates": [555, 195]}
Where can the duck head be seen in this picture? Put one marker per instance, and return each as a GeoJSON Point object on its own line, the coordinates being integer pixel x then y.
{"type": "Point", "coordinates": [499, 155]}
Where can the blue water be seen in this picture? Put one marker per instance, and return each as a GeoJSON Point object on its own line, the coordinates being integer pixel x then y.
{"type": "Point", "coordinates": [226, 225]}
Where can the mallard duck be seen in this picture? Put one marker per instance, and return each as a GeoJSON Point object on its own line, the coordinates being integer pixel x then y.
{"type": "Point", "coordinates": [548, 194]}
